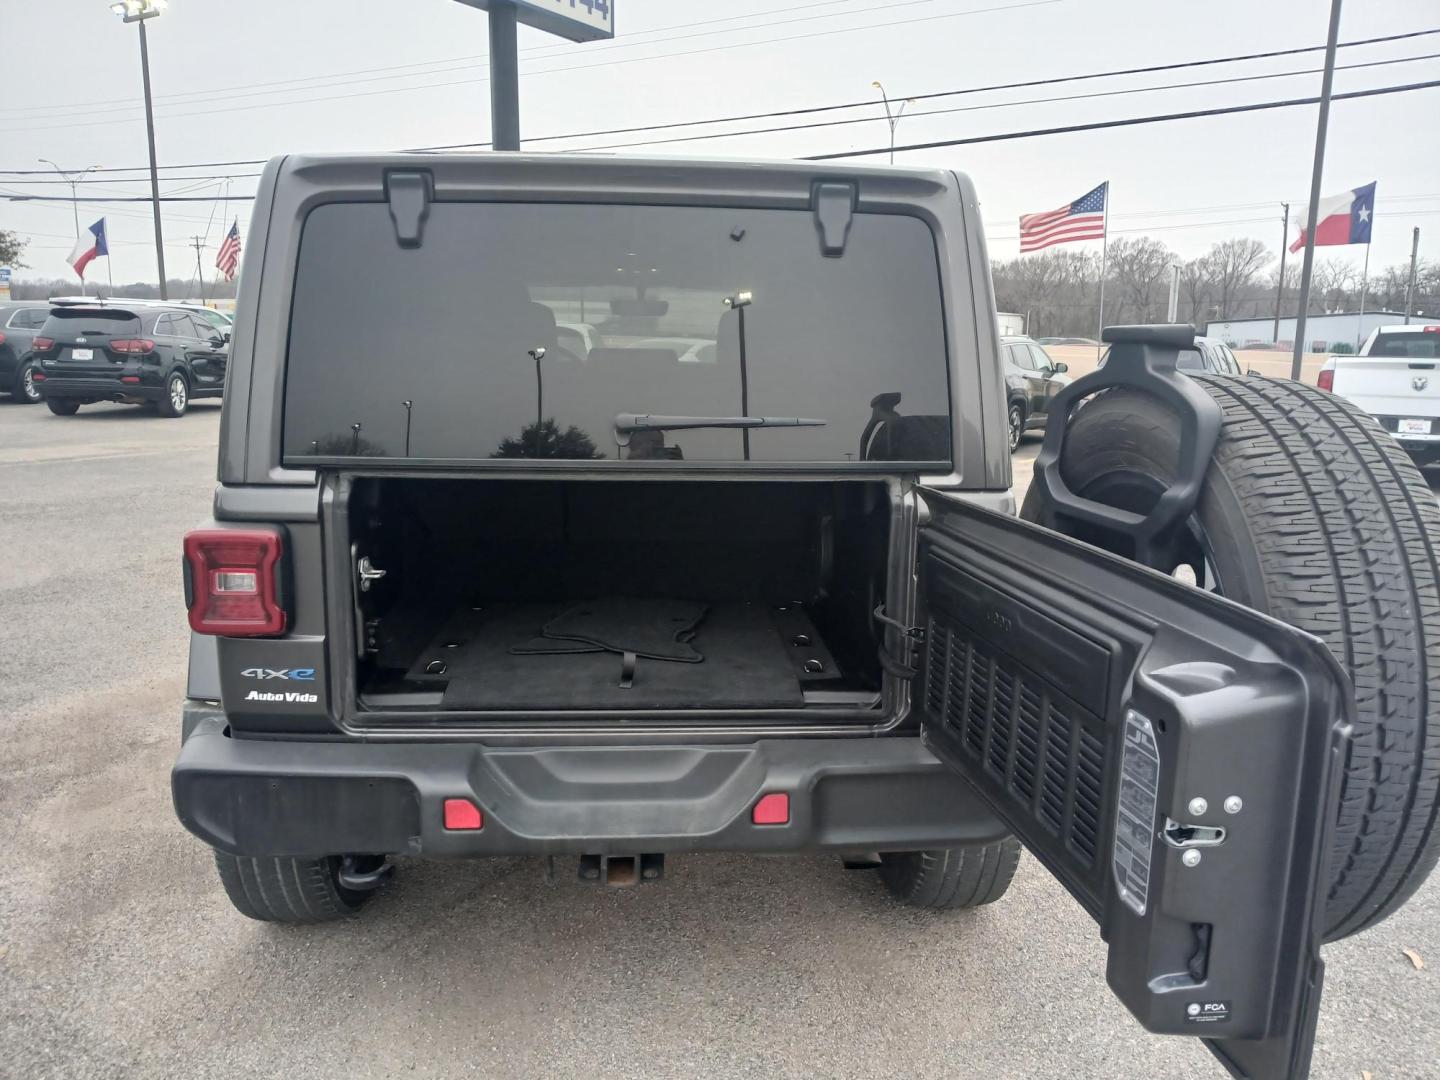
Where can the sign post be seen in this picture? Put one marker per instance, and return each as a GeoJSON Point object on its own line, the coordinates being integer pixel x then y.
{"type": "Point", "coordinates": [574, 20]}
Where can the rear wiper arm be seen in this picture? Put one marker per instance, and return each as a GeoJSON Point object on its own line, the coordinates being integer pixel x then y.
{"type": "Point", "coordinates": [628, 423]}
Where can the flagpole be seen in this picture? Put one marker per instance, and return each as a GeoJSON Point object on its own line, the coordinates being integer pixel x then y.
{"type": "Point", "coordinates": [1322, 122]}
{"type": "Point", "coordinates": [1364, 281]}
{"type": "Point", "coordinates": [1104, 250]}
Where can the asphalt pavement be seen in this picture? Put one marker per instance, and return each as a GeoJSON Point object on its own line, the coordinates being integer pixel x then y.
{"type": "Point", "coordinates": [119, 955]}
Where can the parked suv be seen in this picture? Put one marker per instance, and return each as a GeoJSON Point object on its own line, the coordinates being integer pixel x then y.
{"type": "Point", "coordinates": [463, 599]}
{"type": "Point", "coordinates": [1032, 379]}
{"type": "Point", "coordinates": [19, 323]}
{"type": "Point", "coordinates": [138, 354]}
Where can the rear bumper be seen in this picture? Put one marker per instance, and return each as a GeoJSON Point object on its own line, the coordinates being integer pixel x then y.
{"type": "Point", "coordinates": [97, 389]}
{"type": "Point", "coordinates": [263, 797]}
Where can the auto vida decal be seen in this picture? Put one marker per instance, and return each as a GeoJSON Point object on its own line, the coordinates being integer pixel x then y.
{"type": "Point", "coordinates": [287, 697]}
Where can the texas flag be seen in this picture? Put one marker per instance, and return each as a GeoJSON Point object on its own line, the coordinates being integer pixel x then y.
{"type": "Point", "coordinates": [90, 245]}
{"type": "Point", "coordinates": [1344, 219]}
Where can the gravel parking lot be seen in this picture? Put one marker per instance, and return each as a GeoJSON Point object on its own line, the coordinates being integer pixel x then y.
{"type": "Point", "coordinates": [119, 955]}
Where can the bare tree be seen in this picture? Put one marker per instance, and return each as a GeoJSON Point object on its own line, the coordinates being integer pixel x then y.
{"type": "Point", "coordinates": [1234, 265]}
{"type": "Point", "coordinates": [1330, 282]}
{"type": "Point", "coordinates": [1056, 289]}
{"type": "Point", "coordinates": [1197, 281]}
{"type": "Point", "coordinates": [1140, 268]}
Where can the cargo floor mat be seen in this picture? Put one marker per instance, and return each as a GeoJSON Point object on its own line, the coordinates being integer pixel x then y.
{"type": "Point", "coordinates": [657, 629]}
{"type": "Point", "coordinates": [748, 665]}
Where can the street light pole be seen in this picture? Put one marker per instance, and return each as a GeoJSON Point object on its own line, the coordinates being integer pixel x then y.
{"type": "Point", "coordinates": [74, 179]}
{"type": "Point", "coordinates": [138, 11]}
{"type": "Point", "coordinates": [893, 119]}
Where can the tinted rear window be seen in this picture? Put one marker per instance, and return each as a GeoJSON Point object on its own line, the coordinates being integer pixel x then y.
{"type": "Point", "coordinates": [1414, 346]}
{"type": "Point", "coordinates": [448, 327]}
{"type": "Point", "coordinates": [66, 324]}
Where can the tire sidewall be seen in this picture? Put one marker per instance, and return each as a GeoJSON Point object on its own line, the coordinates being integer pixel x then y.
{"type": "Point", "coordinates": [167, 406]}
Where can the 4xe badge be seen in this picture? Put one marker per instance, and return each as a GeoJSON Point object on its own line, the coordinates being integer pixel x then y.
{"type": "Point", "coordinates": [298, 674]}
{"type": "Point", "coordinates": [1207, 1012]}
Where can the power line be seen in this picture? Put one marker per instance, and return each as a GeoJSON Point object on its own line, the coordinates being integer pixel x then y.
{"type": "Point", "coordinates": [1197, 83]}
{"type": "Point", "coordinates": [1115, 73]}
{"type": "Point", "coordinates": [1128, 122]}
{"type": "Point", "coordinates": [580, 67]}
{"type": "Point", "coordinates": [994, 137]}
{"type": "Point", "coordinates": [550, 50]}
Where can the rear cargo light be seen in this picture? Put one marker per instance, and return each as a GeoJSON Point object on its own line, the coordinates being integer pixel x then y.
{"type": "Point", "coordinates": [132, 345]}
{"type": "Point", "coordinates": [772, 809]}
{"type": "Point", "coordinates": [42, 343]}
{"type": "Point", "coordinates": [1326, 379]}
{"type": "Point", "coordinates": [461, 815]}
{"type": "Point", "coordinates": [233, 584]}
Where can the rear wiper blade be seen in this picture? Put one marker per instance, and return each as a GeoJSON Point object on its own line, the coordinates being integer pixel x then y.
{"type": "Point", "coordinates": [630, 422]}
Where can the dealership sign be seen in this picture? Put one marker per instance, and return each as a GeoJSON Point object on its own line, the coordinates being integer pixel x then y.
{"type": "Point", "coordinates": [577, 20]}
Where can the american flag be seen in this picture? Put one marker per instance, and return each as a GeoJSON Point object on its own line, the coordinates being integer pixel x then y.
{"type": "Point", "coordinates": [229, 256]}
{"type": "Point", "coordinates": [1083, 219]}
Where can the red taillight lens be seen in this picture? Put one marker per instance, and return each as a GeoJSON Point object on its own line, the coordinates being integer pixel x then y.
{"type": "Point", "coordinates": [132, 345]}
{"type": "Point", "coordinates": [1326, 379]}
{"type": "Point", "coordinates": [1431, 330]}
{"type": "Point", "coordinates": [40, 344]}
{"type": "Point", "coordinates": [232, 582]}
{"type": "Point", "coordinates": [2, 339]}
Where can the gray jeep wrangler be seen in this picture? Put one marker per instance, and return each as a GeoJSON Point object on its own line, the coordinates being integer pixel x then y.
{"type": "Point", "coordinates": [603, 508]}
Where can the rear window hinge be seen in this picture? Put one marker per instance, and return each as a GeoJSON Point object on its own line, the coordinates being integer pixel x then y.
{"type": "Point", "coordinates": [409, 193]}
{"type": "Point", "coordinates": [834, 211]}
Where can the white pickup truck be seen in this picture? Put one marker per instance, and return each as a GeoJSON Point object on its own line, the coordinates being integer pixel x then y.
{"type": "Point", "coordinates": [1396, 379]}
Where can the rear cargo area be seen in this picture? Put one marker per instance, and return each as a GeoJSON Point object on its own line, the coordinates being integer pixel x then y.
{"type": "Point", "coordinates": [562, 596]}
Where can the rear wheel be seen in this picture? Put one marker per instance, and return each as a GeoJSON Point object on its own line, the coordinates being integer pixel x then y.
{"type": "Point", "coordinates": [1313, 514]}
{"type": "Point", "coordinates": [1016, 421]}
{"type": "Point", "coordinates": [61, 407]}
{"type": "Point", "coordinates": [947, 879]}
{"type": "Point", "coordinates": [177, 396]}
{"type": "Point", "coordinates": [25, 390]}
{"type": "Point", "coordinates": [288, 890]}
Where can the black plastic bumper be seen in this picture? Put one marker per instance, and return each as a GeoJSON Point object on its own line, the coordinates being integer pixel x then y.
{"type": "Point", "coordinates": [98, 389]}
{"type": "Point", "coordinates": [262, 797]}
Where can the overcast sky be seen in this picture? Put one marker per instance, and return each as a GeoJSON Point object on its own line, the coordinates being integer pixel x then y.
{"type": "Point", "coordinates": [241, 79]}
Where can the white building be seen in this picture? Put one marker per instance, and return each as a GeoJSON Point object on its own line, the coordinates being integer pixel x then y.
{"type": "Point", "coordinates": [1323, 331]}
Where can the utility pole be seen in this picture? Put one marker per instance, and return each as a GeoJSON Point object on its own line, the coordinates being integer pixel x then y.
{"type": "Point", "coordinates": [1174, 307]}
{"type": "Point", "coordinates": [1410, 285]}
{"type": "Point", "coordinates": [198, 242]}
{"type": "Point", "coordinates": [139, 11]}
{"type": "Point", "coordinates": [1316, 174]}
{"type": "Point", "coordinates": [1280, 288]}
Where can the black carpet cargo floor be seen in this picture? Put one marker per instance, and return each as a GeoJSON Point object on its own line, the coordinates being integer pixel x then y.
{"type": "Point", "coordinates": [747, 664]}
{"type": "Point", "coordinates": [655, 628]}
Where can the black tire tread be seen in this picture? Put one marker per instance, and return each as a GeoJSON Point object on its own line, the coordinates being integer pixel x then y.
{"type": "Point", "coordinates": [285, 890]}
{"type": "Point", "coordinates": [1343, 522]}
{"type": "Point", "coordinates": [948, 879]}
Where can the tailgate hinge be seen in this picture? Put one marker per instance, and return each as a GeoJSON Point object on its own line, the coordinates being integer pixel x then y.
{"type": "Point", "coordinates": [834, 211]}
{"type": "Point", "coordinates": [409, 193]}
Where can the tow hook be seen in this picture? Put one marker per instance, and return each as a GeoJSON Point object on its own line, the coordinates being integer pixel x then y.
{"type": "Point", "coordinates": [352, 877]}
{"type": "Point", "coordinates": [621, 871]}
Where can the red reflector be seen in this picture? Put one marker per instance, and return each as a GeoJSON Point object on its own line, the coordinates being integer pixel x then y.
{"type": "Point", "coordinates": [772, 809]}
{"type": "Point", "coordinates": [1326, 379]}
{"type": "Point", "coordinates": [462, 814]}
{"type": "Point", "coordinates": [130, 378]}
{"type": "Point", "coordinates": [36, 376]}
{"type": "Point", "coordinates": [233, 582]}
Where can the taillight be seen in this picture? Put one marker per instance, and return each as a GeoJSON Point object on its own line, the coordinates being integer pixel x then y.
{"type": "Point", "coordinates": [132, 345]}
{"type": "Point", "coordinates": [2, 339]}
{"type": "Point", "coordinates": [232, 582]}
{"type": "Point", "coordinates": [40, 344]}
{"type": "Point", "coordinates": [1427, 330]}
{"type": "Point", "coordinates": [1326, 379]}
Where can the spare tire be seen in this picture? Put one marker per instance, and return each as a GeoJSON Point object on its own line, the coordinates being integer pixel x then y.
{"type": "Point", "coordinates": [1311, 513]}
